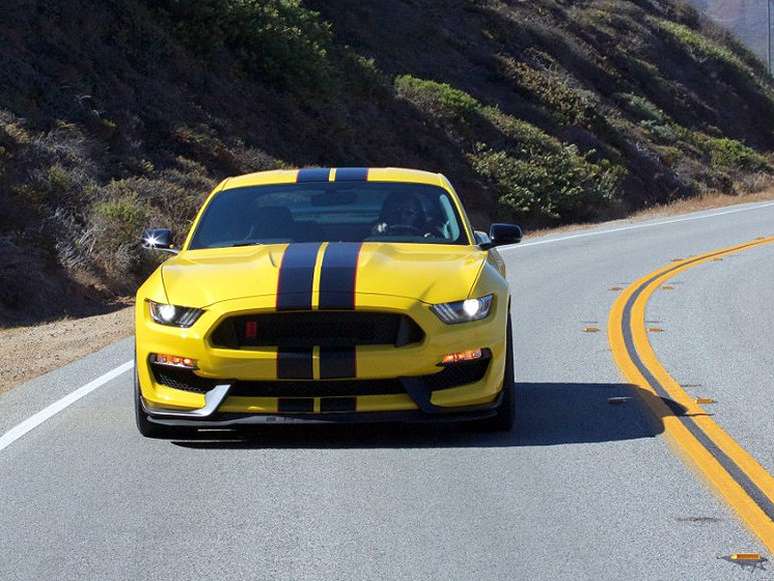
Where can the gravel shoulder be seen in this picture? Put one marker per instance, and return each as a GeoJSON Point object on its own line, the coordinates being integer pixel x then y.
{"type": "Point", "coordinates": [27, 352]}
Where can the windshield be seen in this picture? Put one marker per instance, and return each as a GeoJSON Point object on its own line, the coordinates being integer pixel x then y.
{"type": "Point", "coordinates": [332, 212]}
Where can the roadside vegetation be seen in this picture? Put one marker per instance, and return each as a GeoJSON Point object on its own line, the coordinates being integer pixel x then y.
{"type": "Point", "coordinates": [117, 115]}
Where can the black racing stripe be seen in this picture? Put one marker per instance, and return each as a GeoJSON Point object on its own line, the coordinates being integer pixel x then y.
{"type": "Point", "coordinates": [351, 174]}
{"type": "Point", "coordinates": [338, 362]}
{"type": "Point", "coordinates": [313, 174]}
{"type": "Point", "coordinates": [752, 489]}
{"type": "Point", "coordinates": [338, 404]}
{"type": "Point", "coordinates": [294, 287]}
{"type": "Point", "coordinates": [294, 363]}
{"type": "Point", "coordinates": [295, 404]}
{"type": "Point", "coordinates": [338, 276]}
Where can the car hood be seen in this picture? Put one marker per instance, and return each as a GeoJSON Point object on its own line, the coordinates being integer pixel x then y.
{"type": "Point", "coordinates": [427, 272]}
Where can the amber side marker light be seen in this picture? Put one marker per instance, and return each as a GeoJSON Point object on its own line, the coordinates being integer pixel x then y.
{"type": "Point", "coordinates": [173, 360]}
{"type": "Point", "coordinates": [461, 356]}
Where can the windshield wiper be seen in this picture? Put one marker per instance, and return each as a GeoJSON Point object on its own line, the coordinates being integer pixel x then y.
{"type": "Point", "coordinates": [262, 242]}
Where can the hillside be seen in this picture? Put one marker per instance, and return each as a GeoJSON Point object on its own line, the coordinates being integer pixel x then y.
{"type": "Point", "coordinates": [114, 115]}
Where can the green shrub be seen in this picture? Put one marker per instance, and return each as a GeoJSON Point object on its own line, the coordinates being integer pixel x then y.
{"type": "Point", "coordinates": [14, 134]}
{"type": "Point", "coordinates": [439, 99]}
{"type": "Point", "coordinates": [362, 78]}
{"type": "Point", "coordinates": [553, 187]}
{"type": "Point", "coordinates": [537, 176]}
{"type": "Point", "coordinates": [711, 55]}
{"type": "Point", "coordinates": [57, 184]}
{"type": "Point", "coordinates": [204, 143]}
{"type": "Point", "coordinates": [662, 132]}
{"type": "Point", "coordinates": [278, 39]}
{"type": "Point", "coordinates": [59, 179]}
{"type": "Point", "coordinates": [530, 140]}
{"type": "Point", "coordinates": [614, 15]}
{"type": "Point", "coordinates": [701, 47]}
{"type": "Point", "coordinates": [120, 220]}
{"type": "Point", "coordinates": [669, 156]}
{"type": "Point", "coordinates": [570, 105]}
{"type": "Point", "coordinates": [731, 155]}
{"type": "Point", "coordinates": [115, 225]}
{"type": "Point", "coordinates": [642, 108]}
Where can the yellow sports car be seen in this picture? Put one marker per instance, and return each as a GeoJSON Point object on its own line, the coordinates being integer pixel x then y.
{"type": "Point", "coordinates": [326, 295]}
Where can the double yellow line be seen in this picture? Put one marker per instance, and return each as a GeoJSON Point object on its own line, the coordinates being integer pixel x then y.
{"type": "Point", "coordinates": [731, 471]}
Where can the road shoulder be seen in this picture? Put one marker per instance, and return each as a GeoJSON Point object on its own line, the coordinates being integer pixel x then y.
{"type": "Point", "coordinates": [29, 352]}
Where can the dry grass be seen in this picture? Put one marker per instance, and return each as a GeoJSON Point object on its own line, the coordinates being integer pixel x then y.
{"type": "Point", "coordinates": [697, 204]}
{"type": "Point", "coordinates": [704, 202]}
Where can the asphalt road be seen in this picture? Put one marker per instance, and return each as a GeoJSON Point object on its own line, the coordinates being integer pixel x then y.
{"type": "Point", "coordinates": [581, 489]}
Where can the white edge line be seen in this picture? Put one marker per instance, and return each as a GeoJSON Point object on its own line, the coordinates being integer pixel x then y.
{"type": "Point", "coordinates": [34, 421]}
{"type": "Point", "coordinates": [636, 226]}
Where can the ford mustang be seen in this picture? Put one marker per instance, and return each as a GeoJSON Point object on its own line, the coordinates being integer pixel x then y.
{"type": "Point", "coordinates": [326, 295]}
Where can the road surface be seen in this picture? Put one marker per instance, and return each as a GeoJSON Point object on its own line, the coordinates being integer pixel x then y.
{"type": "Point", "coordinates": [581, 489]}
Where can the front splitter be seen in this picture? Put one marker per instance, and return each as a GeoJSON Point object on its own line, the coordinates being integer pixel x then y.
{"type": "Point", "coordinates": [223, 420]}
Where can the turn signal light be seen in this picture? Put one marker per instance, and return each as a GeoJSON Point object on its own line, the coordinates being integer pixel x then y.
{"type": "Point", "coordinates": [471, 355]}
{"type": "Point", "coordinates": [174, 360]}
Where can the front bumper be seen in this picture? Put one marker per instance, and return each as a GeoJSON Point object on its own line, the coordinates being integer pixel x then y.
{"type": "Point", "coordinates": [408, 364]}
{"type": "Point", "coordinates": [231, 420]}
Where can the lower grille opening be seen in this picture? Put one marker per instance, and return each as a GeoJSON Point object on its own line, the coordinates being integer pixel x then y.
{"type": "Point", "coordinates": [456, 375]}
{"type": "Point", "coordinates": [305, 405]}
{"type": "Point", "coordinates": [184, 379]}
{"type": "Point", "coordinates": [338, 404]}
{"type": "Point", "coordinates": [451, 376]}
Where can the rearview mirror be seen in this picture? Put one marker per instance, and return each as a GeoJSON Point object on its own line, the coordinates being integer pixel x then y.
{"type": "Point", "coordinates": [500, 234]}
{"type": "Point", "coordinates": [158, 239]}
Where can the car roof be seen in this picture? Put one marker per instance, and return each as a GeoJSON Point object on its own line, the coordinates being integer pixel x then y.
{"type": "Point", "coordinates": [371, 174]}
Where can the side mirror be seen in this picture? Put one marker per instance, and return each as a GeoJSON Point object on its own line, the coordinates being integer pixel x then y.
{"type": "Point", "coordinates": [158, 239]}
{"type": "Point", "coordinates": [500, 234]}
{"type": "Point", "coordinates": [482, 238]}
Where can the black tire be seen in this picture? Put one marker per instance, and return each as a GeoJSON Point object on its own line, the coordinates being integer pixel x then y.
{"type": "Point", "coordinates": [144, 425]}
{"type": "Point", "coordinates": [505, 417]}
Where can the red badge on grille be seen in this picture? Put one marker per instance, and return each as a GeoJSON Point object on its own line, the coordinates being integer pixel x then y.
{"type": "Point", "coordinates": [251, 329]}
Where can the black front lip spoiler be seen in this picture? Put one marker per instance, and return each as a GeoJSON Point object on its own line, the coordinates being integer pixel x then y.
{"type": "Point", "coordinates": [439, 415]}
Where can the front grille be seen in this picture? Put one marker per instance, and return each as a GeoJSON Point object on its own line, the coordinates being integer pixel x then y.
{"type": "Point", "coordinates": [449, 377]}
{"type": "Point", "coordinates": [317, 328]}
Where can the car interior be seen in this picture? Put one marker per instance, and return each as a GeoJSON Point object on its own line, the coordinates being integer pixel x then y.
{"type": "Point", "coordinates": [293, 216]}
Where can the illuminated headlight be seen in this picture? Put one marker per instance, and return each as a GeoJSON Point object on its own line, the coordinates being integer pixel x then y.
{"type": "Point", "coordinates": [464, 311]}
{"type": "Point", "coordinates": [173, 315]}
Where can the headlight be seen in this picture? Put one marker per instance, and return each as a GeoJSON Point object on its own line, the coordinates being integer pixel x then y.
{"type": "Point", "coordinates": [464, 311]}
{"type": "Point", "coordinates": [173, 315]}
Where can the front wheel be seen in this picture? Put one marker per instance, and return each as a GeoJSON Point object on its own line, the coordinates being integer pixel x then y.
{"type": "Point", "coordinates": [506, 412]}
{"type": "Point", "coordinates": [144, 425]}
